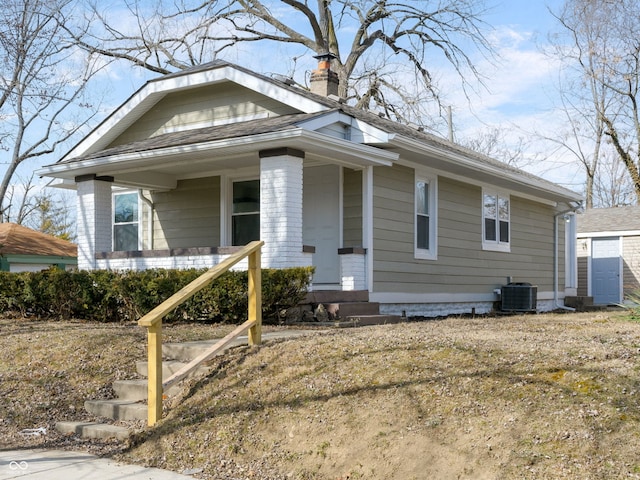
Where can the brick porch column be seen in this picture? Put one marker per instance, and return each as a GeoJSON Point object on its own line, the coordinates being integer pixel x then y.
{"type": "Point", "coordinates": [94, 219]}
{"type": "Point", "coordinates": [281, 208]}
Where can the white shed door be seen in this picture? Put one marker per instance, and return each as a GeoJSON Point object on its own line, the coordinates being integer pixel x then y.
{"type": "Point", "coordinates": [321, 221]}
{"type": "Point", "coordinates": [605, 271]}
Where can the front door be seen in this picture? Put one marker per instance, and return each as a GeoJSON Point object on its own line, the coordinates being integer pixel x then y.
{"type": "Point", "coordinates": [605, 270]}
{"type": "Point", "coordinates": [321, 221]}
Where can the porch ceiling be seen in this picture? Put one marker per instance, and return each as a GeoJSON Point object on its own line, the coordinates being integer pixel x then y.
{"type": "Point", "coordinates": [161, 168]}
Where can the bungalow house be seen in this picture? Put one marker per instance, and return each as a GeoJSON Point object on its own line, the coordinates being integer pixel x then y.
{"type": "Point", "coordinates": [608, 253]}
{"type": "Point", "coordinates": [25, 250]}
{"type": "Point", "coordinates": [198, 162]}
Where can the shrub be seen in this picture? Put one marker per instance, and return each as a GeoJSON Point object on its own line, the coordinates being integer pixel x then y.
{"type": "Point", "coordinates": [107, 296]}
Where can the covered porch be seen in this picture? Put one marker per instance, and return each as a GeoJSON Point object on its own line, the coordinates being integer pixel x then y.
{"type": "Point", "coordinates": [186, 208]}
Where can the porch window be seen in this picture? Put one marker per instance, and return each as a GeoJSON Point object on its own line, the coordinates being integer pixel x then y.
{"type": "Point", "coordinates": [245, 215]}
{"type": "Point", "coordinates": [497, 220]}
{"type": "Point", "coordinates": [425, 218]}
{"type": "Point", "coordinates": [125, 221]}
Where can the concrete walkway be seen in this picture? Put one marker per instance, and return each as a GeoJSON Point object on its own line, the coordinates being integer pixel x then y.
{"type": "Point", "coordinates": [64, 465]}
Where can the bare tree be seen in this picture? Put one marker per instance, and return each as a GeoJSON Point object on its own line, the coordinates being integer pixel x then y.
{"type": "Point", "coordinates": [612, 186]}
{"type": "Point", "coordinates": [40, 82]}
{"type": "Point", "coordinates": [52, 214]}
{"type": "Point", "coordinates": [494, 143]}
{"type": "Point", "coordinates": [40, 208]}
{"type": "Point", "coordinates": [18, 201]}
{"type": "Point", "coordinates": [605, 47]}
{"type": "Point", "coordinates": [367, 39]}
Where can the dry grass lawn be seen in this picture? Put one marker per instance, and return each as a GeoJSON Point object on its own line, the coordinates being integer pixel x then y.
{"type": "Point", "coordinates": [534, 396]}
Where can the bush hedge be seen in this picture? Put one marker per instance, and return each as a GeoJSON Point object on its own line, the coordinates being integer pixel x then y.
{"type": "Point", "coordinates": [107, 296]}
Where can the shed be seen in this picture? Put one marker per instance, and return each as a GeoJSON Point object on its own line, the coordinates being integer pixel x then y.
{"type": "Point", "coordinates": [608, 253]}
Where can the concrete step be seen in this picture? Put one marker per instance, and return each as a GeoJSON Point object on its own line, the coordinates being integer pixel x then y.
{"type": "Point", "coordinates": [137, 389]}
{"type": "Point", "coordinates": [335, 296]}
{"type": "Point", "coordinates": [169, 367]}
{"type": "Point", "coordinates": [134, 390]}
{"type": "Point", "coordinates": [117, 409]}
{"type": "Point", "coordinates": [349, 309]}
{"type": "Point", "coordinates": [187, 351]}
{"type": "Point", "coordinates": [102, 431]}
{"type": "Point", "coordinates": [579, 302]}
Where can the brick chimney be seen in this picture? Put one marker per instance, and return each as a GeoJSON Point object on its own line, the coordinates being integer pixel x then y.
{"type": "Point", "coordinates": [324, 81]}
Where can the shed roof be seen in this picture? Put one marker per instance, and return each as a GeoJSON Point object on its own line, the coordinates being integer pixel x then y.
{"type": "Point", "coordinates": [616, 219]}
{"type": "Point", "coordinates": [18, 240]}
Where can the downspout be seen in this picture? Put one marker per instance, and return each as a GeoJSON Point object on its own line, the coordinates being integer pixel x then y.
{"type": "Point", "coordinates": [151, 206]}
{"type": "Point", "coordinates": [556, 275]}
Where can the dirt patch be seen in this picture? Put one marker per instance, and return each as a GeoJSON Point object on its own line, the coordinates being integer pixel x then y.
{"type": "Point", "coordinates": [535, 396]}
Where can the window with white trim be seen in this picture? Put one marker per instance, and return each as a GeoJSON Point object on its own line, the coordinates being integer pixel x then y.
{"type": "Point", "coordinates": [126, 221]}
{"type": "Point", "coordinates": [496, 216]}
{"type": "Point", "coordinates": [425, 224]}
{"type": "Point", "coordinates": [245, 213]}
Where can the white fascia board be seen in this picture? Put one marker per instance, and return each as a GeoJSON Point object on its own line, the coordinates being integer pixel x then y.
{"type": "Point", "coordinates": [338, 148]}
{"type": "Point", "coordinates": [361, 132]}
{"type": "Point", "coordinates": [496, 171]}
{"type": "Point", "coordinates": [154, 90]}
{"type": "Point", "coordinates": [621, 233]}
{"type": "Point", "coordinates": [342, 151]}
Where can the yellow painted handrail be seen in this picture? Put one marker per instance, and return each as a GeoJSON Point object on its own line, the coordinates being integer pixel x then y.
{"type": "Point", "coordinates": [153, 322]}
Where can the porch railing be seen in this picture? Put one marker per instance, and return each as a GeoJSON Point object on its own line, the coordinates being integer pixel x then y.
{"type": "Point", "coordinates": [153, 322]}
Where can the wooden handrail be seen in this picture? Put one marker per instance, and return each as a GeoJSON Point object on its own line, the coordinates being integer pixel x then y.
{"type": "Point", "coordinates": [153, 322]}
{"type": "Point", "coordinates": [206, 355]}
{"type": "Point", "coordinates": [182, 295]}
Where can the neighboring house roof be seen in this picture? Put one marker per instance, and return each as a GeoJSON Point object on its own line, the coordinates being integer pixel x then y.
{"type": "Point", "coordinates": [18, 240]}
{"type": "Point", "coordinates": [619, 219]}
{"type": "Point", "coordinates": [383, 141]}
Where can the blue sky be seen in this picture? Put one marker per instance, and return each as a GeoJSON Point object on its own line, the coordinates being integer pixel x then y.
{"type": "Point", "coordinates": [519, 87]}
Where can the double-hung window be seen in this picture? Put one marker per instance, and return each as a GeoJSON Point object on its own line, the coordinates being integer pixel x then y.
{"type": "Point", "coordinates": [496, 221]}
{"type": "Point", "coordinates": [425, 224]}
{"type": "Point", "coordinates": [125, 221]}
{"type": "Point", "coordinates": [245, 213]}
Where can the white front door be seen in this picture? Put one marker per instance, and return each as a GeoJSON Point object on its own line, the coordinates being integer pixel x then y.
{"type": "Point", "coordinates": [321, 221]}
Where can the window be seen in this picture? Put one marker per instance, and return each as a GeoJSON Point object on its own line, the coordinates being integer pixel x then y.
{"type": "Point", "coordinates": [125, 221]}
{"type": "Point", "coordinates": [496, 216]}
{"type": "Point", "coordinates": [245, 214]}
{"type": "Point", "coordinates": [425, 218]}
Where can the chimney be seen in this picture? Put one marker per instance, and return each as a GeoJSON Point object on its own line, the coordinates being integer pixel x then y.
{"type": "Point", "coordinates": [324, 81]}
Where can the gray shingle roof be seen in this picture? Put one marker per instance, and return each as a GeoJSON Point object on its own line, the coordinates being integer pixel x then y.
{"type": "Point", "coordinates": [284, 122]}
{"type": "Point", "coordinates": [609, 219]}
{"type": "Point", "coordinates": [205, 134]}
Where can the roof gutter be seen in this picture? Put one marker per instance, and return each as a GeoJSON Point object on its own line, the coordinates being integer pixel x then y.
{"type": "Point", "coordinates": [556, 254]}
{"type": "Point", "coordinates": [356, 155]}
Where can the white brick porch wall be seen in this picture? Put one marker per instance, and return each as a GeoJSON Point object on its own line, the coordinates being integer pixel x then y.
{"type": "Point", "coordinates": [353, 274]}
{"type": "Point", "coordinates": [168, 262]}
{"type": "Point", "coordinates": [281, 211]}
{"type": "Point", "coordinates": [94, 221]}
